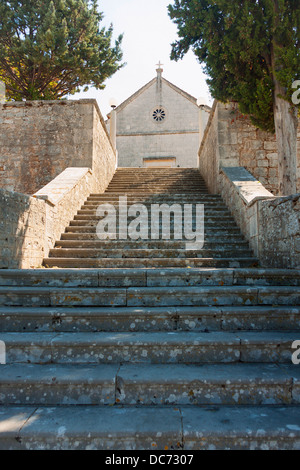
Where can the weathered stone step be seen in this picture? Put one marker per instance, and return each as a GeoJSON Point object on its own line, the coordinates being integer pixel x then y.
{"type": "Point", "coordinates": [149, 347]}
{"type": "Point", "coordinates": [213, 198]}
{"type": "Point", "coordinates": [208, 212]}
{"type": "Point", "coordinates": [178, 195]}
{"type": "Point", "coordinates": [80, 263]}
{"type": "Point", "coordinates": [209, 230]}
{"type": "Point", "coordinates": [91, 204]}
{"type": "Point", "coordinates": [208, 215]}
{"type": "Point", "coordinates": [154, 186]}
{"type": "Point", "coordinates": [219, 252]}
{"type": "Point", "coordinates": [122, 319]}
{"type": "Point", "coordinates": [171, 193]}
{"type": "Point", "coordinates": [209, 222]}
{"type": "Point", "coordinates": [150, 296]}
{"type": "Point", "coordinates": [148, 245]}
{"type": "Point", "coordinates": [227, 238]}
{"type": "Point", "coordinates": [152, 189]}
{"type": "Point", "coordinates": [148, 277]}
{"type": "Point", "coordinates": [183, 174]}
{"type": "Point", "coordinates": [151, 384]}
{"type": "Point", "coordinates": [154, 182]}
{"type": "Point", "coordinates": [209, 384]}
{"type": "Point", "coordinates": [151, 428]}
{"type": "Point", "coordinates": [144, 175]}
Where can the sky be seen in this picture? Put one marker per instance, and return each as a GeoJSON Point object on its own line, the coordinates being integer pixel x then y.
{"type": "Point", "coordinates": [148, 35]}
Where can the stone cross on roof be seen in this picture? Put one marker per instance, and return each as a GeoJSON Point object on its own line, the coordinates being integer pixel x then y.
{"type": "Point", "coordinates": [159, 70]}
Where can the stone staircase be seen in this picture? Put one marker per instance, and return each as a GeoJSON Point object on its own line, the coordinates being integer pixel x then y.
{"type": "Point", "coordinates": [224, 246]}
{"type": "Point", "coordinates": [148, 345]}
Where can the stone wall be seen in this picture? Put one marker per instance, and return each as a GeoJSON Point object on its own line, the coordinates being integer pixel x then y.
{"type": "Point", "coordinates": [231, 140]}
{"type": "Point", "coordinates": [270, 224]}
{"type": "Point", "coordinates": [30, 225]}
{"type": "Point", "coordinates": [209, 151]}
{"type": "Point", "coordinates": [256, 150]}
{"type": "Point", "coordinates": [40, 139]}
{"type": "Point", "coordinates": [235, 159]}
{"type": "Point", "coordinates": [279, 219]}
{"type": "Point", "coordinates": [49, 137]}
{"type": "Point", "coordinates": [22, 230]}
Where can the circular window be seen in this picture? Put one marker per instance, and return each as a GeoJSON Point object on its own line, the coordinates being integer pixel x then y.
{"type": "Point", "coordinates": [159, 114]}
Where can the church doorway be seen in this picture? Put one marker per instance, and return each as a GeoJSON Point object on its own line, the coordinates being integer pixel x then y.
{"type": "Point", "coordinates": [159, 162]}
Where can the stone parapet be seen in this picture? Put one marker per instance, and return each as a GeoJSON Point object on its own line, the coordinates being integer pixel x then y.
{"type": "Point", "coordinates": [57, 152]}
{"type": "Point", "coordinates": [40, 139]}
{"type": "Point", "coordinates": [270, 224]}
{"type": "Point", "coordinates": [31, 224]}
{"type": "Point", "coordinates": [231, 140]}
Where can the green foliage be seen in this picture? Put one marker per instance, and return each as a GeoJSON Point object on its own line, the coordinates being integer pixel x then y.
{"type": "Point", "coordinates": [245, 45]}
{"type": "Point", "coordinates": [51, 48]}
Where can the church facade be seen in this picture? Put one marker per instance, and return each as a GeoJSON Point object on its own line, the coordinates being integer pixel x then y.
{"type": "Point", "coordinates": [158, 126]}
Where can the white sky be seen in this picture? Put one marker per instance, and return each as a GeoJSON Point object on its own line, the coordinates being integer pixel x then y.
{"type": "Point", "coordinates": [148, 34]}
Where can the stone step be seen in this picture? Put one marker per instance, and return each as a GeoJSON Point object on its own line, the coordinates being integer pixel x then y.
{"type": "Point", "coordinates": [150, 192]}
{"type": "Point", "coordinates": [149, 347]}
{"type": "Point", "coordinates": [150, 296]}
{"type": "Point", "coordinates": [80, 263]}
{"type": "Point", "coordinates": [186, 198]}
{"type": "Point", "coordinates": [146, 244]}
{"type": "Point", "coordinates": [163, 188]}
{"type": "Point", "coordinates": [155, 428]}
{"type": "Point", "coordinates": [146, 319]}
{"type": "Point", "coordinates": [169, 193]}
{"type": "Point", "coordinates": [151, 384]}
{"type": "Point", "coordinates": [170, 277]}
{"type": "Point", "coordinates": [183, 175]}
{"type": "Point", "coordinates": [218, 252]}
{"type": "Point", "coordinates": [227, 238]}
{"type": "Point", "coordinates": [155, 181]}
{"type": "Point", "coordinates": [216, 205]}
{"type": "Point", "coordinates": [151, 428]}
{"type": "Point", "coordinates": [154, 189]}
{"type": "Point", "coordinates": [162, 185]}
{"type": "Point", "coordinates": [208, 212]}
{"type": "Point", "coordinates": [209, 222]}
{"type": "Point", "coordinates": [143, 174]}
{"type": "Point", "coordinates": [209, 230]}
{"type": "Point", "coordinates": [178, 195]}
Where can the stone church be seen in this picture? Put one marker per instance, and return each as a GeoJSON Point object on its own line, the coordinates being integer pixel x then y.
{"type": "Point", "coordinates": [159, 126]}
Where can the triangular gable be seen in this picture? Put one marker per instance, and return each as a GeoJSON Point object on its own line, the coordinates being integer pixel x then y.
{"type": "Point", "coordinates": [148, 85]}
{"type": "Point", "coordinates": [181, 92]}
{"type": "Point", "coordinates": [135, 95]}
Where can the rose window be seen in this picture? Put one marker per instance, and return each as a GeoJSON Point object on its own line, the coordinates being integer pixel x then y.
{"type": "Point", "coordinates": [159, 114]}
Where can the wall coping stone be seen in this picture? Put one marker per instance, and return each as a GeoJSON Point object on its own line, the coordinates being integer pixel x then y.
{"type": "Point", "coordinates": [57, 189]}
{"type": "Point", "coordinates": [247, 186]}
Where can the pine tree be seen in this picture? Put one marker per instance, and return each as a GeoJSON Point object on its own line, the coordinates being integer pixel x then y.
{"type": "Point", "coordinates": [51, 48]}
{"type": "Point", "coordinates": [250, 51]}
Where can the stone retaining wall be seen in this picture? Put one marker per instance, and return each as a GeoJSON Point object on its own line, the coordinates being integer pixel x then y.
{"type": "Point", "coordinates": [231, 139]}
{"type": "Point", "coordinates": [30, 225]}
{"type": "Point", "coordinates": [40, 139]}
{"type": "Point", "coordinates": [270, 224]}
{"type": "Point", "coordinates": [58, 153]}
{"type": "Point", "coordinates": [239, 162]}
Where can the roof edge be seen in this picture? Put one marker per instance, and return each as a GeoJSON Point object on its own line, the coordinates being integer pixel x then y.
{"type": "Point", "coordinates": [183, 93]}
